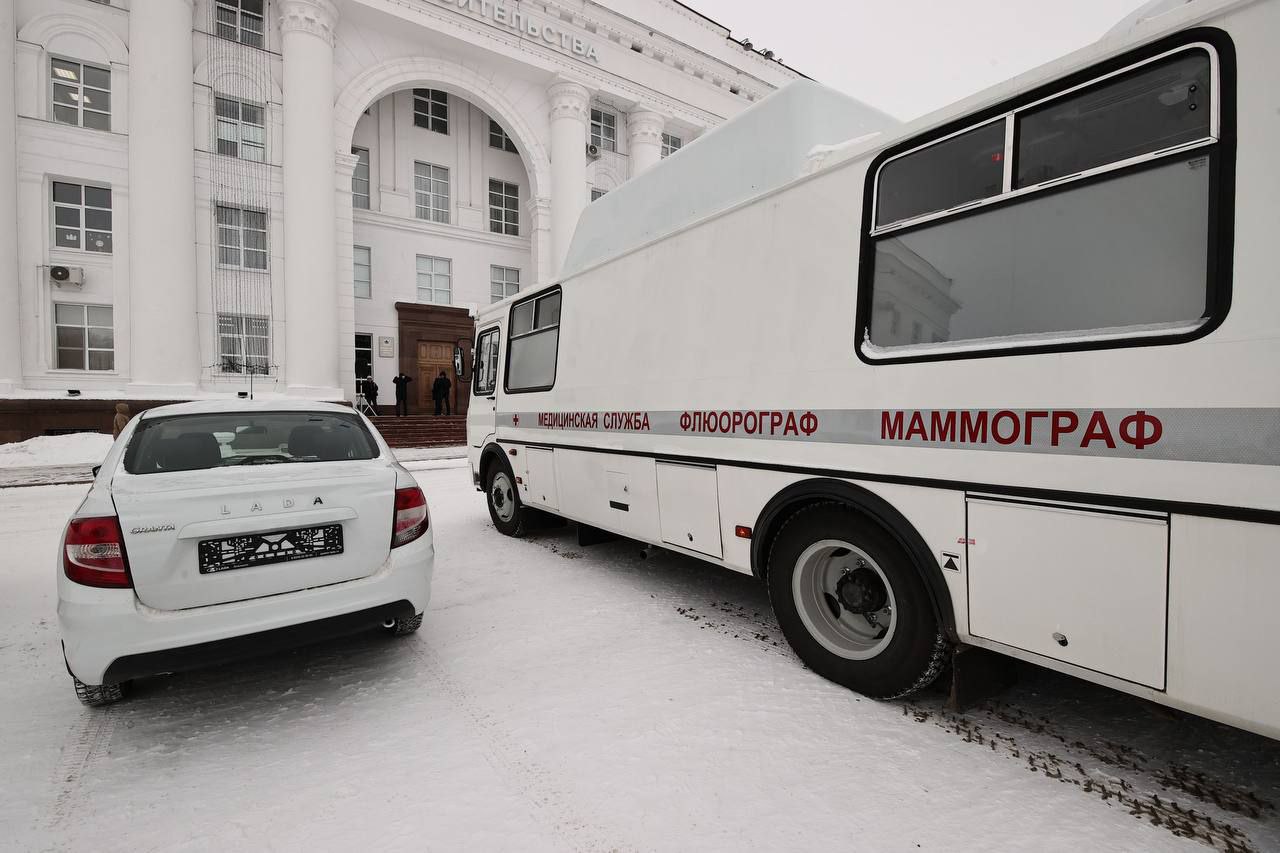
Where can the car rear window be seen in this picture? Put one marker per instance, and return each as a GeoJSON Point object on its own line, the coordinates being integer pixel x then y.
{"type": "Point", "coordinates": [222, 439]}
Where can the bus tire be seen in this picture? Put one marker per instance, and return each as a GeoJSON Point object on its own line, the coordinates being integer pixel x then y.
{"type": "Point", "coordinates": [852, 605]}
{"type": "Point", "coordinates": [506, 510]}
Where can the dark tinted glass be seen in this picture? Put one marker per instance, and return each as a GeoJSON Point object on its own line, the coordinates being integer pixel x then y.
{"type": "Point", "coordinates": [223, 439]}
{"type": "Point", "coordinates": [1152, 108]}
{"type": "Point", "coordinates": [964, 168]}
{"type": "Point", "coordinates": [1128, 252]}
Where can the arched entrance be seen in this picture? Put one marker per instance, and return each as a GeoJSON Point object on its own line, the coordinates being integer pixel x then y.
{"type": "Point", "coordinates": [393, 125]}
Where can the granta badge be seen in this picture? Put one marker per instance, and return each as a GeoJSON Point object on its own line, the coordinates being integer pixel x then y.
{"type": "Point", "coordinates": [155, 528]}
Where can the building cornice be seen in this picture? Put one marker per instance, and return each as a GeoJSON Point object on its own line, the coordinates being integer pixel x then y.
{"type": "Point", "coordinates": [315, 17]}
{"type": "Point", "coordinates": [693, 62]}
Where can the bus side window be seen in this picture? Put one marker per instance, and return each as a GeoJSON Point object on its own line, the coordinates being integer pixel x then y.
{"type": "Point", "coordinates": [1085, 216]}
{"type": "Point", "coordinates": [534, 343]}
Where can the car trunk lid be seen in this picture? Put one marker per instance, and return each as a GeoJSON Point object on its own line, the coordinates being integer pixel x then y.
{"type": "Point", "coordinates": [166, 516]}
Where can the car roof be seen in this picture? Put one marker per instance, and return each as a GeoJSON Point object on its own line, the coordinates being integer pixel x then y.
{"type": "Point", "coordinates": [279, 404]}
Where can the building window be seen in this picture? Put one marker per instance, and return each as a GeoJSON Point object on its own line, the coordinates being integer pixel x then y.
{"type": "Point", "coordinates": [85, 337]}
{"type": "Point", "coordinates": [1126, 253]}
{"type": "Point", "coordinates": [504, 208]}
{"type": "Point", "coordinates": [533, 343]}
{"type": "Point", "coordinates": [363, 273]}
{"type": "Point", "coordinates": [435, 280]}
{"type": "Point", "coordinates": [240, 20]}
{"type": "Point", "coordinates": [604, 130]}
{"type": "Point", "coordinates": [242, 238]}
{"type": "Point", "coordinates": [595, 193]}
{"type": "Point", "coordinates": [360, 180]}
{"type": "Point", "coordinates": [81, 94]}
{"type": "Point", "coordinates": [503, 282]}
{"type": "Point", "coordinates": [241, 132]}
{"type": "Point", "coordinates": [81, 217]}
{"type": "Point", "coordinates": [431, 192]}
{"type": "Point", "coordinates": [244, 344]}
{"type": "Point", "coordinates": [498, 138]}
{"type": "Point", "coordinates": [364, 355]}
{"type": "Point", "coordinates": [431, 109]}
{"type": "Point", "coordinates": [671, 144]}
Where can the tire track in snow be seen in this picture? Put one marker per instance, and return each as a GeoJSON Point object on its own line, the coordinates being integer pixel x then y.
{"type": "Point", "coordinates": [1127, 778]}
{"type": "Point", "coordinates": [506, 754]}
{"type": "Point", "coordinates": [79, 751]}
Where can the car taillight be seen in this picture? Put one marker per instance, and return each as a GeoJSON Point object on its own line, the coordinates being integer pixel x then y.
{"type": "Point", "coordinates": [410, 516]}
{"type": "Point", "coordinates": [93, 553]}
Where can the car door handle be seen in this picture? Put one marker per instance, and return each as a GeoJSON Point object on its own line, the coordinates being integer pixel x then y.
{"type": "Point", "coordinates": [491, 399]}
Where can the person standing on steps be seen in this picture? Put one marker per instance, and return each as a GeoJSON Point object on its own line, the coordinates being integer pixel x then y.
{"type": "Point", "coordinates": [371, 393]}
{"type": "Point", "coordinates": [440, 392]}
{"type": "Point", "coordinates": [402, 393]}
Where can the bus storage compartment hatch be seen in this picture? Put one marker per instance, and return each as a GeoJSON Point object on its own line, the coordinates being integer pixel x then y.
{"type": "Point", "coordinates": [689, 503]}
{"type": "Point", "coordinates": [541, 479]}
{"type": "Point", "coordinates": [1082, 585]}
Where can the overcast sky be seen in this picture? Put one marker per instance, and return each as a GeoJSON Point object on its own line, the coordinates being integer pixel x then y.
{"type": "Point", "coordinates": [908, 57]}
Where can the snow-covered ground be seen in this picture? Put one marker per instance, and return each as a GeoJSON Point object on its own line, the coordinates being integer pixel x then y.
{"type": "Point", "coordinates": [81, 448]}
{"type": "Point", "coordinates": [561, 698]}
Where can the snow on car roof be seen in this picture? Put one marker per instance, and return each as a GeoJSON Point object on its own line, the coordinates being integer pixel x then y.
{"type": "Point", "coordinates": [277, 404]}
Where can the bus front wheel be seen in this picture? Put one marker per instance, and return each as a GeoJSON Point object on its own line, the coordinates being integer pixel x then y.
{"type": "Point", "coordinates": [503, 497]}
{"type": "Point", "coordinates": [852, 605]}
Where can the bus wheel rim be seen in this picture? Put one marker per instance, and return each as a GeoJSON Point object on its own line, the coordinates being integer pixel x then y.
{"type": "Point", "coordinates": [831, 584]}
{"type": "Point", "coordinates": [502, 497]}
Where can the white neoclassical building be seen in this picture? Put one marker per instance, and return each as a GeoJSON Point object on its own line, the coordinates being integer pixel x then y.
{"type": "Point", "coordinates": [195, 194]}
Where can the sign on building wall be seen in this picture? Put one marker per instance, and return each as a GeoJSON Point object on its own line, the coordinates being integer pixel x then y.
{"type": "Point", "coordinates": [386, 347]}
{"type": "Point", "coordinates": [510, 16]}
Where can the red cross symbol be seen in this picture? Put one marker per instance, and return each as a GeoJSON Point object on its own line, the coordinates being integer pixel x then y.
{"type": "Point", "coordinates": [515, 420]}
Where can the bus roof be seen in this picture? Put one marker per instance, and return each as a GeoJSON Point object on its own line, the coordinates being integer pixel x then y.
{"type": "Point", "coordinates": [769, 145]}
{"type": "Point", "coordinates": [759, 150]}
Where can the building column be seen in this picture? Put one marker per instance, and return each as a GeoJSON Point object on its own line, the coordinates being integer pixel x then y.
{"type": "Point", "coordinates": [345, 237]}
{"type": "Point", "coordinates": [310, 251]}
{"type": "Point", "coordinates": [539, 211]}
{"type": "Point", "coordinates": [569, 113]}
{"type": "Point", "coordinates": [644, 143]}
{"type": "Point", "coordinates": [164, 341]}
{"type": "Point", "coordinates": [10, 290]}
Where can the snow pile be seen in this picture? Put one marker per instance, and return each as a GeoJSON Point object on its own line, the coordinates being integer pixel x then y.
{"type": "Point", "coordinates": [81, 448]}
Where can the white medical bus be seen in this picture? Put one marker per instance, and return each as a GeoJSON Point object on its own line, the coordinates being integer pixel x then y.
{"type": "Point", "coordinates": [1007, 376]}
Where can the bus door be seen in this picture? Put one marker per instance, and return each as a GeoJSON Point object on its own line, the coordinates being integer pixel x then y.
{"type": "Point", "coordinates": [482, 416]}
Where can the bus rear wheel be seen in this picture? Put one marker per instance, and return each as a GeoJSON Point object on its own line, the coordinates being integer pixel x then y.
{"type": "Point", "coordinates": [502, 496]}
{"type": "Point", "coordinates": [852, 605]}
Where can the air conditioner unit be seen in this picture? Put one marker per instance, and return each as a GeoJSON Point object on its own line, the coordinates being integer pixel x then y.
{"type": "Point", "coordinates": [593, 151]}
{"type": "Point", "coordinates": [60, 276]}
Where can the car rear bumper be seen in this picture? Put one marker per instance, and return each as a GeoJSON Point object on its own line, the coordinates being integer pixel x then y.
{"type": "Point", "coordinates": [109, 636]}
{"type": "Point", "coordinates": [252, 645]}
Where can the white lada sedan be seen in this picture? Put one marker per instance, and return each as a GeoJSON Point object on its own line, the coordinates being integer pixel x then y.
{"type": "Point", "coordinates": [216, 531]}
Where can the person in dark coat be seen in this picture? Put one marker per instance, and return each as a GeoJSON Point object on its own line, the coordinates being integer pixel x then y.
{"type": "Point", "coordinates": [371, 393]}
{"type": "Point", "coordinates": [402, 393]}
{"type": "Point", "coordinates": [440, 392]}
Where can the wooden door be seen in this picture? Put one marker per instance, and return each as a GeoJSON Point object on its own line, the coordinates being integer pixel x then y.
{"type": "Point", "coordinates": [433, 357]}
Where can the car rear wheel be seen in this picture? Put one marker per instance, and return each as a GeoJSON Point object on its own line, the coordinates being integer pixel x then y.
{"type": "Point", "coordinates": [96, 695]}
{"type": "Point", "coordinates": [505, 509]}
{"type": "Point", "coordinates": [852, 605]}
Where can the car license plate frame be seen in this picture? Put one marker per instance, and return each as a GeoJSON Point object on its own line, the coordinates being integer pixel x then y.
{"type": "Point", "coordinates": [272, 548]}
